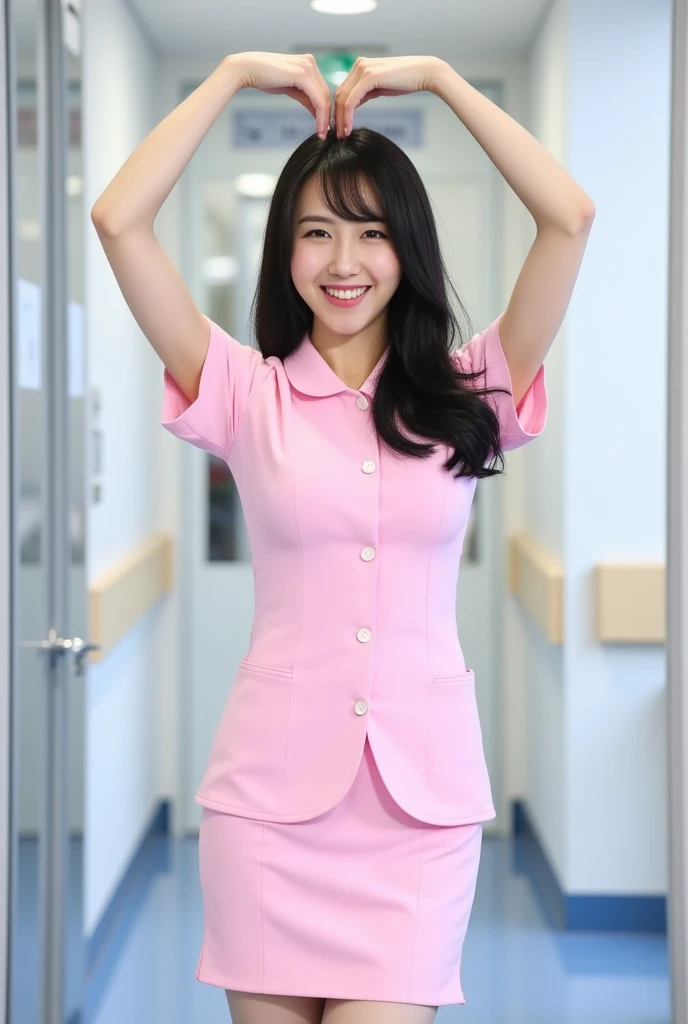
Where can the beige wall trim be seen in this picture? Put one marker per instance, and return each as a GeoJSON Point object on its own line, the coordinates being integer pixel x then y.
{"type": "Point", "coordinates": [630, 602]}
{"type": "Point", "coordinates": [629, 605]}
{"type": "Point", "coordinates": [536, 578]}
{"type": "Point", "coordinates": [123, 594]}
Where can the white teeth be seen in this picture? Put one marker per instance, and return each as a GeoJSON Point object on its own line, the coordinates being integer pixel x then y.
{"type": "Point", "coordinates": [349, 294]}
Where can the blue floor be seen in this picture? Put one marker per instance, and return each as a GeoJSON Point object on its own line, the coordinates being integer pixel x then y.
{"type": "Point", "coordinates": [516, 969]}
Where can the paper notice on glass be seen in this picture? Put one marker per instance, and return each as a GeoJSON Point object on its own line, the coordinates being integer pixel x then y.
{"type": "Point", "coordinates": [75, 345]}
{"type": "Point", "coordinates": [28, 335]}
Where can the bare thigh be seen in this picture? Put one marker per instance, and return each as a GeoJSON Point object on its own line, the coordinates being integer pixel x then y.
{"type": "Point", "coordinates": [354, 1011]}
{"type": "Point", "coordinates": [254, 1008]}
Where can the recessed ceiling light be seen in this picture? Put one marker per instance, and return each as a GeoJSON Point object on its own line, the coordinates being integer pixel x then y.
{"type": "Point", "coordinates": [344, 6]}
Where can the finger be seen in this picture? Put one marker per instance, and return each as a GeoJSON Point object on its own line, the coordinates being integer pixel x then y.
{"type": "Point", "coordinates": [352, 100]}
{"type": "Point", "coordinates": [295, 94]}
{"type": "Point", "coordinates": [341, 97]}
{"type": "Point", "coordinates": [304, 99]}
{"type": "Point", "coordinates": [326, 93]}
{"type": "Point", "coordinates": [327, 96]}
{"type": "Point", "coordinates": [311, 82]}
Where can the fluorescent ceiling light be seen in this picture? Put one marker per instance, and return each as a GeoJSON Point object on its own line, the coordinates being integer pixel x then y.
{"type": "Point", "coordinates": [344, 6]}
{"type": "Point", "coordinates": [256, 185]}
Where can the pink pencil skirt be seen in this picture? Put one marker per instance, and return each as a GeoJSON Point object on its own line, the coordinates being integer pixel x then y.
{"type": "Point", "coordinates": [362, 902]}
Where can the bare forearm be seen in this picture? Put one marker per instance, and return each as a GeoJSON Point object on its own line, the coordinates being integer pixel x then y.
{"type": "Point", "coordinates": [134, 196]}
{"type": "Point", "coordinates": [540, 182]}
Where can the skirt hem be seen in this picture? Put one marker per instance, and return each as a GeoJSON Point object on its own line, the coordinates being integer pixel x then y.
{"type": "Point", "coordinates": [377, 997]}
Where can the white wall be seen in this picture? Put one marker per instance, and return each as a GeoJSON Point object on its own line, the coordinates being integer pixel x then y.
{"type": "Point", "coordinates": [595, 779]}
{"type": "Point", "coordinates": [616, 364]}
{"type": "Point", "coordinates": [125, 763]}
{"type": "Point", "coordinates": [541, 777]}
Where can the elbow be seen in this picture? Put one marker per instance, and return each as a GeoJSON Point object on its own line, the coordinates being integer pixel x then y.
{"type": "Point", "coordinates": [110, 225]}
{"type": "Point", "coordinates": [106, 221]}
{"type": "Point", "coordinates": [586, 216]}
{"type": "Point", "coordinates": [99, 220]}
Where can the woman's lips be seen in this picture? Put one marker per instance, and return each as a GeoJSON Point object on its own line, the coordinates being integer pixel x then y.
{"type": "Point", "coordinates": [345, 303]}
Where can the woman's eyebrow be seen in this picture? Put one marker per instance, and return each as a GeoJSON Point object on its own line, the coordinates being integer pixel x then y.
{"type": "Point", "coordinates": [330, 220]}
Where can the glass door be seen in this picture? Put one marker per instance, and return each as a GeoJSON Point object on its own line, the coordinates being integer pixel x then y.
{"type": "Point", "coordinates": [49, 600]}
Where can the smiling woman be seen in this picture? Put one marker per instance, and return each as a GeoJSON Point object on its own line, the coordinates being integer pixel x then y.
{"type": "Point", "coordinates": [346, 786]}
{"type": "Point", "coordinates": [349, 265]}
{"type": "Point", "coordinates": [375, 229]}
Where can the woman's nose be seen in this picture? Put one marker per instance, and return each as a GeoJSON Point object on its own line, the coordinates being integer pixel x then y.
{"type": "Point", "coordinates": [344, 260]}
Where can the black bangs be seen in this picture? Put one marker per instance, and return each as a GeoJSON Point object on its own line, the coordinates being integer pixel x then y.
{"type": "Point", "coordinates": [342, 181]}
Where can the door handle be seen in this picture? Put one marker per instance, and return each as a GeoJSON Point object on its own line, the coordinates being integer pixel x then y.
{"type": "Point", "coordinates": [81, 649]}
{"type": "Point", "coordinates": [57, 646]}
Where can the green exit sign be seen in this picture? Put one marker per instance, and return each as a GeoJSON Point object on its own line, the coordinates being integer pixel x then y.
{"type": "Point", "coordinates": [334, 67]}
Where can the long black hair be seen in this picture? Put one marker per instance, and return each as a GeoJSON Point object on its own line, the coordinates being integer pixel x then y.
{"type": "Point", "coordinates": [420, 386]}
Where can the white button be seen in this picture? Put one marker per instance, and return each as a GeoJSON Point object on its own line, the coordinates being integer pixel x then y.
{"type": "Point", "coordinates": [362, 402]}
{"type": "Point", "coordinates": [367, 554]}
{"type": "Point", "coordinates": [364, 635]}
{"type": "Point", "coordinates": [368, 466]}
{"type": "Point", "coordinates": [360, 707]}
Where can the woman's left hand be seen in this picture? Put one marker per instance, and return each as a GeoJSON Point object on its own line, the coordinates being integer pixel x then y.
{"type": "Point", "coordinates": [380, 76]}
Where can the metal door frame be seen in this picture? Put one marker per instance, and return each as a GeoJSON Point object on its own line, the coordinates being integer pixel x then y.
{"type": "Point", "coordinates": [52, 149]}
{"type": "Point", "coordinates": [5, 500]}
{"type": "Point", "coordinates": [677, 522]}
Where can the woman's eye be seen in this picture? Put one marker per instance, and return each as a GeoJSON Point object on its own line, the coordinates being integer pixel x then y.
{"type": "Point", "coordinates": [321, 231]}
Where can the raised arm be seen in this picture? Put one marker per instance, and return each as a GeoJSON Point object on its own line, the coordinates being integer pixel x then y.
{"type": "Point", "coordinates": [124, 216]}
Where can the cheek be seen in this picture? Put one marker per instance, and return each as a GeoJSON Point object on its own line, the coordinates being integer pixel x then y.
{"type": "Point", "coordinates": [387, 269]}
{"type": "Point", "coordinates": [305, 265]}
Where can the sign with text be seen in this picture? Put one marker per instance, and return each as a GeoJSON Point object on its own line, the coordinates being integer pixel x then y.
{"type": "Point", "coordinates": [270, 129]}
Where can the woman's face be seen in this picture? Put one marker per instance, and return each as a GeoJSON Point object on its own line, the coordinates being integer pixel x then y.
{"type": "Point", "coordinates": [345, 256]}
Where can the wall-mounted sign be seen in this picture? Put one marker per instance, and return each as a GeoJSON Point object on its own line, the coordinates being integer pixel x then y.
{"type": "Point", "coordinates": [269, 129]}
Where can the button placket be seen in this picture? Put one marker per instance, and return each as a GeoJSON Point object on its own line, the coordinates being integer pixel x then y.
{"type": "Point", "coordinates": [367, 553]}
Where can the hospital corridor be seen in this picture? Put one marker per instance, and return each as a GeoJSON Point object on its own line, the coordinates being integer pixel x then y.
{"type": "Point", "coordinates": [301, 719]}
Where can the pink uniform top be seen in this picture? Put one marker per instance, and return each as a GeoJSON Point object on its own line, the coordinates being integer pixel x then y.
{"type": "Point", "coordinates": [355, 555]}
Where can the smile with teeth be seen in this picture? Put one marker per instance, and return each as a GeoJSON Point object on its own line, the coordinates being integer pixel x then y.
{"type": "Point", "coordinates": [346, 293]}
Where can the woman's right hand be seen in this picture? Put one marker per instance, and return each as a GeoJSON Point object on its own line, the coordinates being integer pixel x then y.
{"type": "Point", "coordinates": [293, 74]}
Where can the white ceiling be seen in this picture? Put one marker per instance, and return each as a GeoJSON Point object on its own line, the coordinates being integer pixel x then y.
{"type": "Point", "coordinates": [436, 27]}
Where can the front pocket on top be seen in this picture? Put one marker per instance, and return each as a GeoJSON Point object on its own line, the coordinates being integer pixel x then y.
{"type": "Point", "coordinates": [455, 679]}
{"type": "Point", "coordinates": [268, 670]}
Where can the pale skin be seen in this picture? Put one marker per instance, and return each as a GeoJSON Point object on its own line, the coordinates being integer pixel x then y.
{"type": "Point", "coordinates": [329, 250]}
{"type": "Point", "coordinates": [339, 252]}
{"type": "Point", "coordinates": [251, 1008]}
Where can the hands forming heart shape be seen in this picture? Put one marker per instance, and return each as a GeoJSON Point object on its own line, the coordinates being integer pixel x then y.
{"type": "Point", "coordinates": [379, 76]}
{"type": "Point", "coordinates": [298, 76]}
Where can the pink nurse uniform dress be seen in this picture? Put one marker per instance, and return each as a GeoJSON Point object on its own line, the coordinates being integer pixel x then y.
{"type": "Point", "coordinates": [346, 785]}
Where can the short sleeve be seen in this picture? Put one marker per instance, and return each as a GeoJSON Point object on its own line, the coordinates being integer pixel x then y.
{"type": "Point", "coordinates": [231, 373]}
{"type": "Point", "coordinates": [518, 425]}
